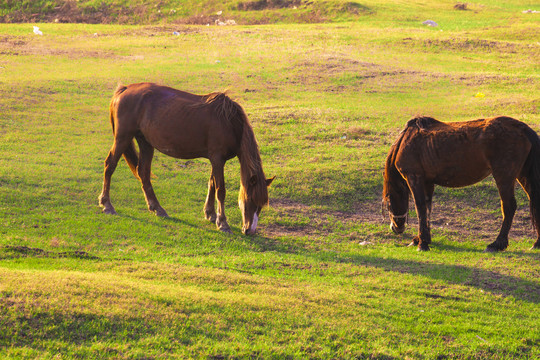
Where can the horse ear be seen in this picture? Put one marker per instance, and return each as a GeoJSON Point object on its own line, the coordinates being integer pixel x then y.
{"type": "Point", "coordinates": [269, 181]}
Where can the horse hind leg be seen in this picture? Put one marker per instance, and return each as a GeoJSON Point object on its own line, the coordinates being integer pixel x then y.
{"type": "Point", "coordinates": [508, 207]}
{"type": "Point", "coordinates": [118, 148]}
{"type": "Point", "coordinates": [526, 185]}
{"type": "Point", "coordinates": [209, 204]}
{"type": "Point", "coordinates": [146, 153]}
{"type": "Point", "coordinates": [536, 245]}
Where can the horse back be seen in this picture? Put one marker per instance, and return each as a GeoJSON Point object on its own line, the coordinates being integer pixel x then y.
{"type": "Point", "coordinates": [458, 154]}
{"type": "Point", "coordinates": [177, 123]}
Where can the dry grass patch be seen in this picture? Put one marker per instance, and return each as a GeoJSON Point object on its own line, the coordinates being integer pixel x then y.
{"type": "Point", "coordinates": [16, 46]}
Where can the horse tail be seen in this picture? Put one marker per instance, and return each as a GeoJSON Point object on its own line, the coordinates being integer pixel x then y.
{"type": "Point", "coordinates": [132, 158]}
{"type": "Point", "coordinates": [114, 103]}
{"type": "Point", "coordinates": [130, 155]}
{"type": "Point", "coordinates": [531, 171]}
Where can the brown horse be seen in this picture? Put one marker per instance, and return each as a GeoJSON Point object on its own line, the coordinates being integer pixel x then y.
{"type": "Point", "coordinates": [186, 126]}
{"type": "Point", "coordinates": [429, 152]}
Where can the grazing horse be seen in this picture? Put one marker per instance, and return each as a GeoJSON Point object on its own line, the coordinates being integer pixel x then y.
{"type": "Point", "coordinates": [186, 126]}
{"type": "Point", "coordinates": [455, 154]}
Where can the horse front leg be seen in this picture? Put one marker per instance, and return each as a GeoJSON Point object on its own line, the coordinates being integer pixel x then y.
{"type": "Point", "coordinates": [422, 201]}
{"type": "Point", "coordinates": [209, 204]}
{"type": "Point", "coordinates": [429, 188]}
{"type": "Point", "coordinates": [219, 183]}
{"type": "Point", "coordinates": [508, 207]}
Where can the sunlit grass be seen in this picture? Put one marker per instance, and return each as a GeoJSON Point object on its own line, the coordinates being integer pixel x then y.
{"type": "Point", "coordinates": [324, 278]}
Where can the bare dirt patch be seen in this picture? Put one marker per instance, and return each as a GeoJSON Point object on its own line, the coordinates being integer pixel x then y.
{"type": "Point", "coordinates": [337, 73]}
{"type": "Point", "coordinates": [457, 219]}
{"type": "Point", "coordinates": [470, 45]}
{"type": "Point", "coordinates": [14, 46]}
{"type": "Point", "coordinates": [268, 4]}
{"type": "Point", "coordinates": [316, 221]}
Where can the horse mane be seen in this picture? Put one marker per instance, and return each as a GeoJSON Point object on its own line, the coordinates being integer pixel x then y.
{"type": "Point", "coordinates": [423, 123]}
{"type": "Point", "coordinates": [393, 181]}
{"type": "Point", "coordinates": [248, 155]}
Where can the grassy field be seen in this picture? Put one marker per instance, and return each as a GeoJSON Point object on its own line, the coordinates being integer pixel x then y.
{"type": "Point", "coordinates": [324, 277]}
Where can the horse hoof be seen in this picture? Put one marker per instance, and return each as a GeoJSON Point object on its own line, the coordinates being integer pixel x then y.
{"type": "Point", "coordinates": [212, 218]}
{"type": "Point", "coordinates": [423, 248]}
{"type": "Point", "coordinates": [162, 213]}
{"type": "Point", "coordinates": [415, 241]}
{"type": "Point", "coordinates": [109, 211]}
{"type": "Point", "coordinates": [226, 230]}
{"type": "Point", "coordinates": [491, 250]}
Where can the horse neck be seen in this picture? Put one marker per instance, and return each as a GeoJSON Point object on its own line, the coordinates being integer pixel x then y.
{"type": "Point", "coordinates": [396, 184]}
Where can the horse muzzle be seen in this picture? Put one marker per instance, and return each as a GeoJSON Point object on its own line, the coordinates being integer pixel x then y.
{"type": "Point", "coordinates": [250, 230]}
{"type": "Point", "coordinates": [247, 231]}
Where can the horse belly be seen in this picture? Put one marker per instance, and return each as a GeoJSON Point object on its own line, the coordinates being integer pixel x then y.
{"type": "Point", "coordinates": [179, 143]}
{"type": "Point", "coordinates": [459, 175]}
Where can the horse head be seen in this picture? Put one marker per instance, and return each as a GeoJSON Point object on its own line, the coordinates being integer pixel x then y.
{"type": "Point", "coordinates": [251, 200]}
{"type": "Point", "coordinates": [395, 198]}
{"type": "Point", "coordinates": [398, 211]}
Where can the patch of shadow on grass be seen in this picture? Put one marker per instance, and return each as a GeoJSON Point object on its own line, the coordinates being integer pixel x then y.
{"type": "Point", "coordinates": [267, 242]}
{"type": "Point", "coordinates": [490, 281]}
{"type": "Point", "coordinates": [31, 321]}
{"type": "Point", "coordinates": [145, 212]}
{"type": "Point", "coordinates": [73, 327]}
{"type": "Point", "coordinates": [19, 251]}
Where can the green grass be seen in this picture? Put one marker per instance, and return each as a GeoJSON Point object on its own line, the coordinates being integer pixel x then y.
{"type": "Point", "coordinates": [324, 278]}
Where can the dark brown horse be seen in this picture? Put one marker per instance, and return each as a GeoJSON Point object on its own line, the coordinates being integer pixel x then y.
{"type": "Point", "coordinates": [429, 152]}
{"type": "Point", "coordinates": [186, 126]}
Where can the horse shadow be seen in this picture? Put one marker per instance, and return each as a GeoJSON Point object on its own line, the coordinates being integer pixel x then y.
{"type": "Point", "coordinates": [482, 279]}
{"type": "Point", "coordinates": [486, 280]}
{"type": "Point", "coordinates": [145, 219]}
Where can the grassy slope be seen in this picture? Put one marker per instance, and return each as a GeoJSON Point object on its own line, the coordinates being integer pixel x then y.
{"type": "Point", "coordinates": [326, 101]}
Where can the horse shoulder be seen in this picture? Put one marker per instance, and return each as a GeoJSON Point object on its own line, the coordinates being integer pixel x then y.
{"type": "Point", "coordinates": [409, 152]}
